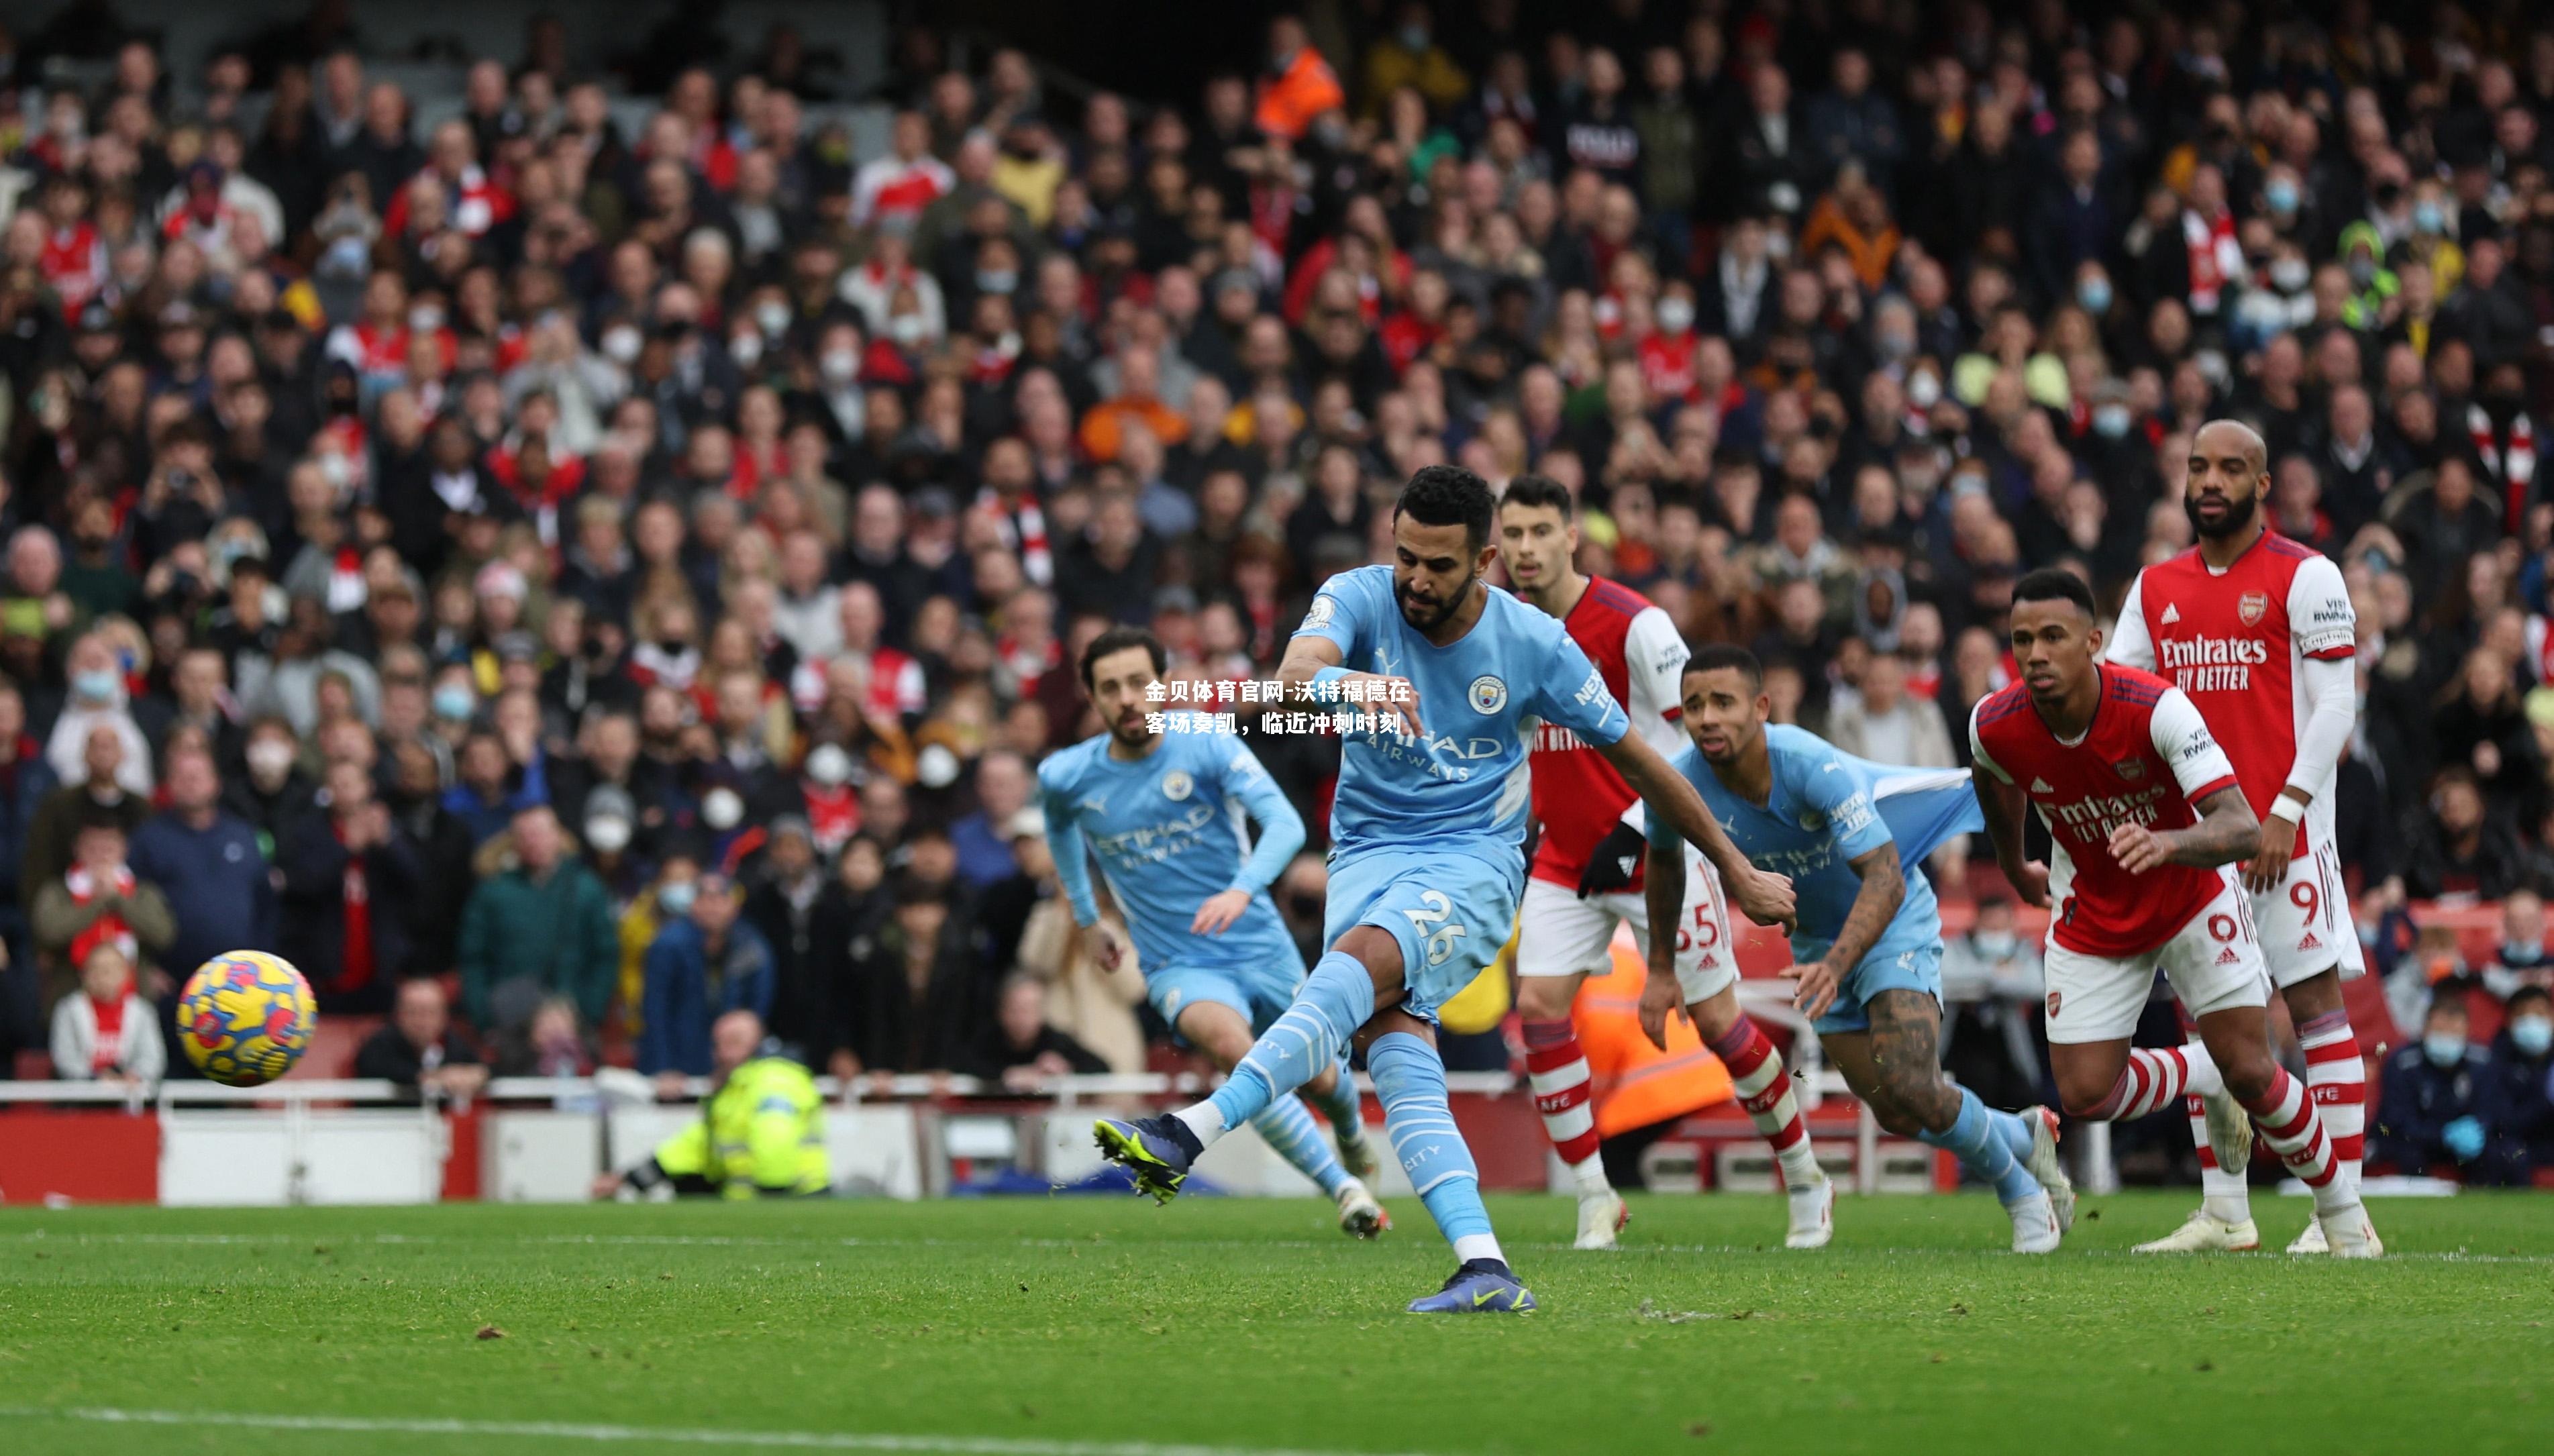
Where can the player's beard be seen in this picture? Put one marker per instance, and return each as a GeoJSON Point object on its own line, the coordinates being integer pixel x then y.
{"type": "Point", "coordinates": [2238, 515]}
{"type": "Point", "coordinates": [1444, 611]}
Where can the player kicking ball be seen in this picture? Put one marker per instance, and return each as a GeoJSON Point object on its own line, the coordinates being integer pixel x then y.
{"type": "Point", "coordinates": [1429, 825]}
{"type": "Point", "coordinates": [1867, 952]}
{"type": "Point", "coordinates": [2145, 815]}
{"type": "Point", "coordinates": [1163, 812]}
{"type": "Point", "coordinates": [1588, 878]}
{"type": "Point", "coordinates": [2258, 630]}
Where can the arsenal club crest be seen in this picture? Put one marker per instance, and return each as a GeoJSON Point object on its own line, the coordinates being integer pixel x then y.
{"type": "Point", "coordinates": [2132, 770]}
{"type": "Point", "coordinates": [2250, 607]}
{"type": "Point", "coordinates": [2054, 997]}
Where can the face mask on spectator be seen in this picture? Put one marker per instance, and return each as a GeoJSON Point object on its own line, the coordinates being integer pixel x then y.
{"type": "Point", "coordinates": [675, 899]}
{"type": "Point", "coordinates": [621, 344]}
{"type": "Point", "coordinates": [2288, 275]}
{"type": "Point", "coordinates": [722, 810]}
{"type": "Point", "coordinates": [425, 318]}
{"type": "Point", "coordinates": [609, 833]}
{"type": "Point", "coordinates": [2363, 271]}
{"type": "Point", "coordinates": [996, 280]}
{"type": "Point", "coordinates": [1996, 944]}
{"type": "Point", "coordinates": [936, 766]}
{"type": "Point", "coordinates": [269, 758]}
{"type": "Point", "coordinates": [1414, 38]}
{"type": "Point", "coordinates": [829, 765]}
{"type": "Point", "coordinates": [841, 367]}
{"type": "Point", "coordinates": [1923, 391]}
{"type": "Point", "coordinates": [2111, 421]}
{"type": "Point", "coordinates": [771, 316]}
{"type": "Point", "coordinates": [2429, 217]}
{"type": "Point", "coordinates": [909, 329]}
{"type": "Point", "coordinates": [1676, 315]}
{"type": "Point", "coordinates": [2444, 1049]}
{"type": "Point", "coordinates": [2094, 294]}
{"type": "Point", "coordinates": [1895, 346]}
{"type": "Point", "coordinates": [2282, 194]}
{"type": "Point", "coordinates": [746, 348]}
{"type": "Point", "coordinates": [95, 685]}
{"type": "Point", "coordinates": [2533, 1036]}
{"type": "Point", "coordinates": [454, 702]}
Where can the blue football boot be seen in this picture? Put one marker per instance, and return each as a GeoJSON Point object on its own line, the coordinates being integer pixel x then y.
{"type": "Point", "coordinates": [1158, 1151]}
{"type": "Point", "coordinates": [1482, 1287]}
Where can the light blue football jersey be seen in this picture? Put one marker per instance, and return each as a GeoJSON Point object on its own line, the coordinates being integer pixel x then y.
{"type": "Point", "coordinates": [1826, 809]}
{"type": "Point", "coordinates": [1169, 832]}
{"type": "Point", "coordinates": [1480, 699]}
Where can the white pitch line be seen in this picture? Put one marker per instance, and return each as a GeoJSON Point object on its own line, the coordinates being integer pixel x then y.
{"type": "Point", "coordinates": [569, 1431]}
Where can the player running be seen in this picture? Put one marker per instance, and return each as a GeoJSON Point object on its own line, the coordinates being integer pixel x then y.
{"type": "Point", "coordinates": [1163, 812]}
{"type": "Point", "coordinates": [2144, 814]}
{"type": "Point", "coordinates": [1429, 823]}
{"type": "Point", "coordinates": [1586, 879]}
{"type": "Point", "coordinates": [1867, 952]}
{"type": "Point", "coordinates": [2259, 631]}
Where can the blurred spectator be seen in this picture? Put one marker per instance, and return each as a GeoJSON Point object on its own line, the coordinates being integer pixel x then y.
{"type": "Point", "coordinates": [98, 900]}
{"type": "Point", "coordinates": [1020, 1050]}
{"type": "Point", "coordinates": [921, 987]}
{"type": "Point", "coordinates": [1991, 990]}
{"type": "Point", "coordinates": [549, 1044]}
{"type": "Point", "coordinates": [982, 839]}
{"type": "Point", "coordinates": [420, 1047]}
{"type": "Point", "coordinates": [210, 866]}
{"type": "Point", "coordinates": [2429, 1120]}
{"type": "Point", "coordinates": [95, 795]}
{"type": "Point", "coordinates": [2518, 1092]}
{"type": "Point", "coordinates": [350, 890]}
{"type": "Point", "coordinates": [1084, 1000]}
{"type": "Point", "coordinates": [537, 925]}
{"type": "Point", "coordinates": [2458, 852]}
{"type": "Point", "coordinates": [700, 967]}
{"type": "Point", "coordinates": [107, 1029]}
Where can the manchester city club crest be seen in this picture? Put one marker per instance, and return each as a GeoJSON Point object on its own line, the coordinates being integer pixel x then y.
{"type": "Point", "coordinates": [2251, 606]}
{"type": "Point", "coordinates": [1177, 785]}
{"type": "Point", "coordinates": [1488, 695]}
{"type": "Point", "coordinates": [1320, 613]}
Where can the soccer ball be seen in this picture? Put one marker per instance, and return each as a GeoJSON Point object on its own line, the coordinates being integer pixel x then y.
{"type": "Point", "coordinates": [246, 1016]}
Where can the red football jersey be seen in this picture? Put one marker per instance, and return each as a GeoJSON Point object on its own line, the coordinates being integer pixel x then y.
{"type": "Point", "coordinates": [2234, 640]}
{"type": "Point", "coordinates": [2146, 759]}
{"type": "Point", "coordinates": [1577, 795]}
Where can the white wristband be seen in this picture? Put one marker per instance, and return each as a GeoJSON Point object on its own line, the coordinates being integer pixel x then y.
{"type": "Point", "coordinates": [2288, 809]}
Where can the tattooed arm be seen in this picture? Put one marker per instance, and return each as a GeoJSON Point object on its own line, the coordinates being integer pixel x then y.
{"type": "Point", "coordinates": [2226, 832]}
{"type": "Point", "coordinates": [1884, 889]}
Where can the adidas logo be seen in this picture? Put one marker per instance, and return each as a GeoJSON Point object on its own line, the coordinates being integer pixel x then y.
{"type": "Point", "coordinates": [2171, 613]}
{"type": "Point", "coordinates": [2227, 957]}
{"type": "Point", "coordinates": [2310, 943]}
{"type": "Point", "coordinates": [2040, 786]}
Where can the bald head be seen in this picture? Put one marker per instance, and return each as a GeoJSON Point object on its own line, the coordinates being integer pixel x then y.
{"type": "Point", "coordinates": [2228, 472]}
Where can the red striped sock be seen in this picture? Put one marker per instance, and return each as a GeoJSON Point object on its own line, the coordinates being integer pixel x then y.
{"type": "Point", "coordinates": [1756, 1075]}
{"type": "Point", "coordinates": [2286, 1117]}
{"type": "Point", "coordinates": [2153, 1079]}
{"type": "Point", "coordinates": [2337, 1079]}
{"type": "Point", "coordinates": [1558, 1071]}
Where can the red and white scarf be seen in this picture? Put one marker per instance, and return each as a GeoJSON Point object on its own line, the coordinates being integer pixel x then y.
{"type": "Point", "coordinates": [108, 929]}
{"type": "Point", "coordinates": [2512, 462]}
{"type": "Point", "coordinates": [1023, 527]}
{"type": "Point", "coordinates": [2216, 259]}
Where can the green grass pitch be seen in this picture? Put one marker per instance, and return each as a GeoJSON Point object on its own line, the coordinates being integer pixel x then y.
{"type": "Point", "coordinates": [1108, 1328]}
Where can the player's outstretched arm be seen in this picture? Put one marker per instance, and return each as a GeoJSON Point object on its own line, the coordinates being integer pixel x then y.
{"type": "Point", "coordinates": [1661, 997]}
{"type": "Point", "coordinates": [1875, 904]}
{"type": "Point", "coordinates": [1311, 658]}
{"type": "Point", "coordinates": [2226, 832]}
{"type": "Point", "coordinates": [1767, 898]}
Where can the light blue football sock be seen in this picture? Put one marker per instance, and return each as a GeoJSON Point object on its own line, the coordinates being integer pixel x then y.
{"type": "Point", "coordinates": [1409, 1081]}
{"type": "Point", "coordinates": [1982, 1149]}
{"type": "Point", "coordinates": [2014, 1129]}
{"type": "Point", "coordinates": [1289, 1128]}
{"type": "Point", "coordinates": [1334, 1001]}
{"type": "Point", "coordinates": [1342, 1104]}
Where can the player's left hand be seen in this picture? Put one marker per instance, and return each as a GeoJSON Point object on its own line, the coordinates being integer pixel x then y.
{"type": "Point", "coordinates": [2269, 866]}
{"type": "Point", "coordinates": [1660, 998]}
{"type": "Point", "coordinates": [2138, 848]}
{"type": "Point", "coordinates": [1218, 913]}
{"type": "Point", "coordinates": [1108, 942]}
{"type": "Point", "coordinates": [1613, 862]}
{"type": "Point", "coordinates": [1816, 989]}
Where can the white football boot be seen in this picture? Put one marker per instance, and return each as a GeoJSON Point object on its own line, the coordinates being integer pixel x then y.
{"type": "Point", "coordinates": [1812, 1215]}
{"type": "Point", "coordinates": [2205, 1233]}
{"type": "Point", "coordinates": [2035, 1225]}
{"type": "Point", "coordinates": [2348, 1234]}
{"type": "Point", "coordinates": [2045, 1165]}
{"type": "Point", "coordinates": [1602, 1215]}
{"type": "Point", "coordinates": [1361, 1216]}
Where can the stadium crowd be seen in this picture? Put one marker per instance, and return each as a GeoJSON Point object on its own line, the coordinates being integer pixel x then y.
{"type": "Point", "coordinates": [621, 576]}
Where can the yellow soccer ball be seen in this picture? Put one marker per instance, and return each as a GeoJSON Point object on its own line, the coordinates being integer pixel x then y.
{"type": "Point", "coordinates": [246, 1016]}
